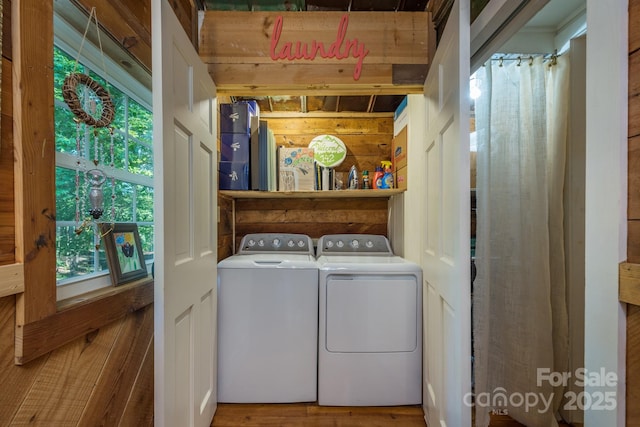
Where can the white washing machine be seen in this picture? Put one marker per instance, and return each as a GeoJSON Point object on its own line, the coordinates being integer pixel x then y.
{"type": "Point", "coordinates": [268, 321]}
{"type": "Point", "coordinates": [370, 328]}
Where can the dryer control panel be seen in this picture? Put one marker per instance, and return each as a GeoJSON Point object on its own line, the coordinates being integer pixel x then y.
{"type": "Point", "coordinates": [361, 244]}
{"type": "Point", "coordinates": [276, 243]}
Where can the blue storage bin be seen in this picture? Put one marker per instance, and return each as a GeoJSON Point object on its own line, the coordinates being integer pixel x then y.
{"type": "Point", "coordinates": [233, 176]}
{"type": "Point", "coordinates": [235, 147]}
{"type": "Point", "coordinates": [236, 117]}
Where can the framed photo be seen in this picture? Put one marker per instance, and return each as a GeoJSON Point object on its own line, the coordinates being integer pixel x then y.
{"type": "Point", "coordinates": [124, 252]}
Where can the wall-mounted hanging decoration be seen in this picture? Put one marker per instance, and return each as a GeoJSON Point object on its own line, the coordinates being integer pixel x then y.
{"type": "Point", "coordinates": [91, 104]}
{"type": "Point", "coordinates": [75, 82]}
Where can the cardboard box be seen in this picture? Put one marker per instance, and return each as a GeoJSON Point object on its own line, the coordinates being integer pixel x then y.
{"type": "Point", "coordinates": [400, 177]}
{"type": "Point", "coordinates": [399, 147]}
{"type": "Point", "coordinates": [400, 109]}
{"type": "Point", "coordinates": [400, 117]}
{"type": "Point", "coordinates": [233, 175]}
{"type": "Point", "coordinates": [296, 170]}
{"type": "Point", "coordinates": [236, 117]}
{"type": "Point", "coordinates": [235, 147]}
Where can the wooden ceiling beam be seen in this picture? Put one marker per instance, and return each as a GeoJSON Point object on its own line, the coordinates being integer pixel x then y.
{"type": "Point", "coordinates": [246, 90]}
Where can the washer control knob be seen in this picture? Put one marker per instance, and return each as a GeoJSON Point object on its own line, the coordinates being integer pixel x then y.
{"type": "Point", "coordinates": [276, 243]}
{"type": "Point", "coordinates": [355, 244]}
{"type": "Point", "coordinates": [261, 242]}
{"type": "Point", "coordinates": [340, 243]}
{"type": "Point", "coordinates": [291, 243]}
{"type": "Point", "coordinates": [369, 244]}
{"type": "Point", "coordinates": [301, 243]}
{"type": "Point", "coordinates": [251, 242]}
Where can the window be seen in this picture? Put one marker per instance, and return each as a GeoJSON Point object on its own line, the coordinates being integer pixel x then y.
{"type": "Point", "coordinates": [79, 266]}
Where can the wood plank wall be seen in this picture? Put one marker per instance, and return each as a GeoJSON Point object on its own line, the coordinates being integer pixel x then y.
{"type": "Point", "coordinates": [7, 206]}
{"type": "Point", "coordinates": [106, 378]}
{"type": "Point", "coordinates": [633, 242]}
{"type": "Point", "coordinates": [633, 237]}
{"type": "Point", "coordinates": [225, 227]}
{"type": "Point", "coordinates": [314, 217]}
{"type": "Point", "coordinates": [368, 141]}
{"type": "Point", "coordinates": [237, 48]}
{"type": "Point", "coordinates": [633, 365]}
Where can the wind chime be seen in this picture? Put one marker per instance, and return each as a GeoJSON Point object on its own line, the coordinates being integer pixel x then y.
{"type": "Point", "coordinates": [82, 94]}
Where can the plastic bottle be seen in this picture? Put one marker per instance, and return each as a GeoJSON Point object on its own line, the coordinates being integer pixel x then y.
{"type": "Point", "coordinates": [377, 177]}
{"type": "Point", "coordinates": [387, 178]}
{"type": "Point", "coordinates": [365, 180]}
{"type": "Point", "coordinates": [353, 178]}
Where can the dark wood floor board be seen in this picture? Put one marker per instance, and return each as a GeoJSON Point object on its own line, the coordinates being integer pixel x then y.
{"type": "Point", "coordinates": [312, 415]}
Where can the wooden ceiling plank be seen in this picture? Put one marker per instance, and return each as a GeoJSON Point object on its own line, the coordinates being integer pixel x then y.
{"type": "Point", "coordinates": [136, 14]}
{"type": "Point", "coordinates": [123, 27]}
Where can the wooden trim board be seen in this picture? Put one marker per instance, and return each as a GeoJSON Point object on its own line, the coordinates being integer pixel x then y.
{"type": "Point", "coordinates": [11, 279]}
{"type": "Point", "coordinates": [40, 337]}
{"type": "Point", "coordinates": [629, 283]}
{"type": "Point", "coordinates": [331, 194]}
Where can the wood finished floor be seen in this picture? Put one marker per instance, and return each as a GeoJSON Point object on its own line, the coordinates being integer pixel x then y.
{"type": "Point", "coordinates": [312, 415]}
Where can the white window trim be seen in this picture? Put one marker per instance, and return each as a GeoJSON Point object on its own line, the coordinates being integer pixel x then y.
{"type": "Point", "coordinates": [69, 161]}
{"type": "Point", "coordinates": [67, 38]}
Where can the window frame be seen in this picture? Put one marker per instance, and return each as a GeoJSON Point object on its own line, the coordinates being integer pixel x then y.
{"type": "Point", "coordinates": [43, 324]}
{"type": "Point", "coordinates": [69, 41]}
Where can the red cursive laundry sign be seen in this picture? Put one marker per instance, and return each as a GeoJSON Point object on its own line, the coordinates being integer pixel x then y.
{"type": "Point", "coordinates": [341, 48]}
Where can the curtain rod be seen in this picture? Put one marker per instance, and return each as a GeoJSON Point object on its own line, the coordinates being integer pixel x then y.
{"type": "Point", "coordinates": [553, 57]}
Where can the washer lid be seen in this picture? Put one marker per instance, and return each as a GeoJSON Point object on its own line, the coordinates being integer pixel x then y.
{"type": "Point", "coordinates": [269, 260]}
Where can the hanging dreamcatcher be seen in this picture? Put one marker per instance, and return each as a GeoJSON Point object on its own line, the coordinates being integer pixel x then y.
{"type": "Point", "coordinates": [93, 109]}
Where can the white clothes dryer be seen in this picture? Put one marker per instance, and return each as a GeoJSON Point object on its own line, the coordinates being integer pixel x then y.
{"type": "Point", "coordinates": [370, 323]}
{"type": "Point", "coordinates": [268, 321]}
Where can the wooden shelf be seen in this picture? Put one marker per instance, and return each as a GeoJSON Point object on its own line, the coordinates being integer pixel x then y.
{"type": "Point", "coordinates": [332, 194]}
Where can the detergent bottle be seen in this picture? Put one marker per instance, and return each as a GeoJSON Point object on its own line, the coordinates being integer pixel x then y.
{"type": "Point", "coordinates": [377, 177]}
{"type": "Point", "coordinates": [387, 178]}
{"type": "Point", "coordinates": [365, 180]}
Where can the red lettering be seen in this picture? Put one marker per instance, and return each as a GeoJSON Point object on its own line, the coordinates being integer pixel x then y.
{"type": "Point", "coordinates": [309, 51]}
{"type": "Point", "coordinates": [275, 36]}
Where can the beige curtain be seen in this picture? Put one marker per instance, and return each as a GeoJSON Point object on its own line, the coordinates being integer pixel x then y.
{"type": "Point", "coordinates": [519, 311]}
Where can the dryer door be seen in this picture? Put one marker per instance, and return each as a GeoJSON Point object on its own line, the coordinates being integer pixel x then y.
{"type": "Point", "coordinates": [371, 313]}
